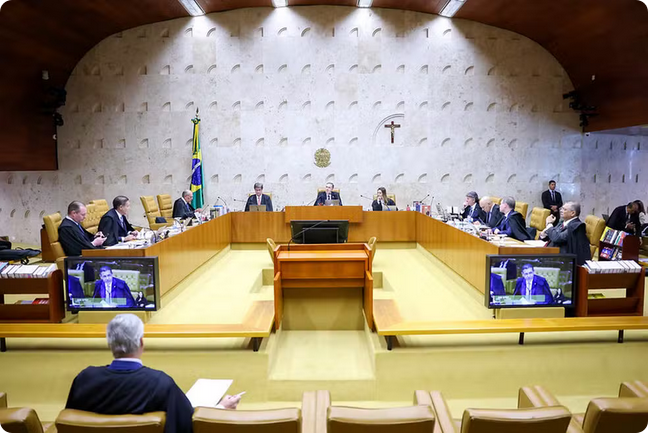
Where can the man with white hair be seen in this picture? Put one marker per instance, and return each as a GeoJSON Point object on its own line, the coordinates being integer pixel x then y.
{"type": "Point", "coordinates": [182, 207]}
{"type": "Point", "coordinates": [127, 387]}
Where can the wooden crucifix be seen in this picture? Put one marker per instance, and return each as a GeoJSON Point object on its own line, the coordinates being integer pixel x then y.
{"type": "Point", "coordinates": [393, 127]}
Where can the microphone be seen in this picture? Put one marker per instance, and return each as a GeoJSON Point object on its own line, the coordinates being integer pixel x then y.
{"type": "Point", "coordinates": [366, 197]}
{"type": "Point", "coordinates": [309, 203]}
{"type": "Point", "coordinates": [242, 201]}
{"type": "Point", "coordinates": [421, 201]}
{"type": "Point", "coordinates": [305, 230]}
{"type": "Point", "coordinates": [224, 202]}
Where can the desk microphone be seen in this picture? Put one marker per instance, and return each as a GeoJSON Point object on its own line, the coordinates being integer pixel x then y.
{"type": "Point", "coordinates": [309, 203]}
{"type": "Point", "coordinates": [242, 201]}
{"type": "Point", "coordinates": [421, 201]}
{"type": "Point", "coordinates": [304, 231]}
{"type": "Point", "coordinates": [224, 202]}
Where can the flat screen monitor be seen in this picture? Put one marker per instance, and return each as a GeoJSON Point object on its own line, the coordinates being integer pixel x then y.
{"type": "Point", "coordinates": [112, 283]}
{"type": "Point", "coordinates": [518, 281]}
{"type": "Point", "coordinates": [319, 231]}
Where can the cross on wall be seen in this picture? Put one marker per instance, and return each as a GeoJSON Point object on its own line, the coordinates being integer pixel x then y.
{"type": "Point", "coordinates": [393, 127]}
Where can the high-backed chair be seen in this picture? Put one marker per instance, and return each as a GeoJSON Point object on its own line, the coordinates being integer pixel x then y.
{"type": "Point", "coordinates": [91, 221]}
{"type": "Point", "coordinates": [552, 275]}
{"type": "Point", "coordinates": [269, 194]}
{"type": "Point", "coordinates": [553, 419]}
{"type": "Point", "coordinates": [538, 219]}
{"type": "Point", "coordinates": [210, 420]}
{"type": "Point", "coordinates": [20, 419]}
{"type": "Point", "coordinates": [152, 212]}
{"type": "Point", "coordinates": [603, 415]}
{"type": "Point", "coordinates": [165, 203]}
{"type": "Point", "coordinates": [634, 389]}
{"type": "Point", "coordinates": [594, 227]}
{"type": "Point", "coordinates": [522, 207]}
{"type": "Point", "coordinates": [101, 206]}
{"type": "Point", "coordinates": [496, 200]}
{"type": "Point", "coordinates": [342, 419]}
{"type": "Point", "coordinates": [52, 223]}
{"type": "Point", "coordinates": [272, 246]}
{"type": "Point", "coordinates": [372, 248]}
{"type": "Point", "coordinates": [132, 278]}
{"type": "Point", "coordinates": [78, 421]}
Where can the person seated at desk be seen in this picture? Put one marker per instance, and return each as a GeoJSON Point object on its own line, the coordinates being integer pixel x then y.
{"type": "Point", "coordinates": [111, 290]}
{"type": "Point", "coordinates": [496, 285]}
{"type": "Point", "coordinates": [327, 195]}
{"type": "Point", "coordinates": [471, 209]}
{"type": "Point", "coordinates": [126, 386]}
{"type": "Point", "coordinates": [533, 288]}
{"type": "Point", "coordinates": [491, 215]}
{"type": "Point", "coordinates": [512, 225]}
{"type": "Point", "coordinates": [72, 236]}
{"type": "Point", "coordinates": [382, 202]}
{"type": "Point", "coordinates": [259, 198]}
{"type": "Point", "coordinates": [626, 218]}
{"type": "Point", "coordinates": [182, 207]}
{"type": "Point", "coordinates": [570, 235]}
{"type": "Point", "coordinates": [114, 223]}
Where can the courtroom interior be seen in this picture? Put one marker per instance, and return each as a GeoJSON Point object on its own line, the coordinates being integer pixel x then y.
{"type": "Point", "coordinates": [385, 215]}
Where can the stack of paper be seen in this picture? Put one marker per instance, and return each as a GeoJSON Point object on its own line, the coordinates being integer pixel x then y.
{"type": "Point", "coordinates": [208, 392]}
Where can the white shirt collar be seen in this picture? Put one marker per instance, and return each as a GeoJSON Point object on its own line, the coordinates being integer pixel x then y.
{"type": "Point", "coordinates": [139, 361]}
{"type": "Point", "coordinates": [68, 217]}
{"type": "Point", "coordinates": [568, 221]}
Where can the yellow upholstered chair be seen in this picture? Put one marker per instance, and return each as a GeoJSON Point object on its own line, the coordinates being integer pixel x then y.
{"type": "Point", "coordinates": [594, 227]}
{"type": "Point", "coordinates": [554, 419]}
{"type": "Point", "coordinates": [418, 418]}
{"type": "Point", "coordinates": [52, 223]}
{"type": "Point", "coordinates": [634, 389]}
{"type": "Point", "coordinates": [522, 207]}
{"type": "Point", "coordinates": [272, 246]}
{"type": "Point", "coordinates": [91, 221]}
{"type": "Point", "coordinates": [538, 219]}
{"type": "Point", "coordinates": [20, 419]}
{"type": "Point", "coordinates": [372, 248]}
{"type": "Point", "coordinates": [496, 200]}
{"type": "Point", "coordinates": [132, 278]}
{"type": "Point", "coordinates": [603, 415]}
{"type": "Point", "coordinates": [165, 203]}
{"type": "Point", "coordinates": [211, 420]}
{"type": "Point", "coordinates": [552, 275]}
{"type": "Point", "coordinates": [269, 194]}
{"type": "Point", "coordinates": [101, 206]}
{"type": "Point", "coordinates": [78, 421]}
{"type": "Point", "coordinates": [151, 211]}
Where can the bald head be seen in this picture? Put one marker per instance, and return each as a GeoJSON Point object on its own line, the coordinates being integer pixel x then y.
{"type": "Point", "coordinates": [486, 203]}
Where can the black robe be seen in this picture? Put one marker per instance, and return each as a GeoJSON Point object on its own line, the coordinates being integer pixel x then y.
{"type": "Point", "coordinates": [265, 200]}
{"type": "Point", "coordinates": [128, 388]}
{"type": "Point", "coordinates": [495, 217]}
{"type": "Point", "coordinates": [513, 226]}
{"type": "Point", "coordinates": [571, 240]}
{"type": "Point", "coordinates": [112, 230]}
{"type": "Point", "coordinates": [376, 206]}
{"type": "Point", "coordinates": [73, 239]}
{"type": "Point", "coordinates": [619, 219]}
{"type": "Point", "coordinates": [182, 209]}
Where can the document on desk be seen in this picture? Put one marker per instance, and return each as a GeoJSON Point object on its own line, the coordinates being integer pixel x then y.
{"type": "Point", "coordinates": [208, 392]}
{"type": "Point", "coordinates": [536, 243]}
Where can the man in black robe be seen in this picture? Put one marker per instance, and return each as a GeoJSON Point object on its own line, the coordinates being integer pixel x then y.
{"type": "Point", "coordinates": [490, 212]}
{"type": "Point", "coordinates": [625, 218]}
{"type": "Point", "coordinates": [127, 387]}
{"type": "Point", "coordinates": [570, 234]}
{"type": "Point", "coordinates": [114, 223]}
{"type": "Point", "coordinates": [182, 207]}
{"type": "Point", "coordinates": [72, 236]}
{"type": "Point", "coordinates": [512, 225]}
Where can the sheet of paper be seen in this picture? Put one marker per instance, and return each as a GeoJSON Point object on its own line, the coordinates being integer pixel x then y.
{"type": "Point", "coordinates": [536, 243]}
{"type": "Point", "coordinates": [208, 392]}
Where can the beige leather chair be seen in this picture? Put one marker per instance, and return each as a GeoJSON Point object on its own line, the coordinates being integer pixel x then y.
{"type": "Point", "coordinates": [165, 203]}
{"type": "Point", "coordinates": [594, 227]}
{"type": "Point", "coordinates": [91, 221]}
{"type": "Point", "coordinates": [269, 194]}
{"type": "Point", "coordinates": [538, 219]}
{"type": "Point", "coordinates": [496, 200]}
{"type": "Point", "coordinates": [634, 389]}
{"type": "Point", "coordinates": [210, 420]}
{"type": "Point", "coordinates": [372, 248]}
{"type": "Point", "coordinates": [21, 419]}
{"type": "Point", "coordinates": [522, 207]}
{"type": "Point", "coordinates": [553, 419]}
{"type": "Point", "coordinates": [78, 421]}
{"type": "Point", "coordinates": [603, 415]}
{"type": "Point", "coordinates": [341, 419]}
{"type": "Point", "coordinates": [101, 206]}
{"type": "Point", "coordinates": [152, 212]}
{"type": "Point", "coordinates": [272, 246]}
{"type": "Point", "coordinates": [52, 223]}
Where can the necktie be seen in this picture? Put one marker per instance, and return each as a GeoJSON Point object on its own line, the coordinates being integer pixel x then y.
{"type": "Point", "coordinates": [187, 206]}
{"type": "Point", "coordinates": [81, 228]}
{"type": "Point", "coordinates": [121, 222]}
{"type": "Point", "coordinates": [528, 294]}
{"type": "Point", "coordinates": [553, 196]}
{"type": "Point", "coordinates": [489, 215]}
{"type": "Point", "coordinates": [258, 200]}
{"type": "Point", "coordinates": [328, 197]}
{"type": "Point", "coordinates": [108, 293]}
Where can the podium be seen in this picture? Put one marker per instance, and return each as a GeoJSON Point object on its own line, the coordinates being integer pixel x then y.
{"type": "Point", "coordinates": [324, 268]}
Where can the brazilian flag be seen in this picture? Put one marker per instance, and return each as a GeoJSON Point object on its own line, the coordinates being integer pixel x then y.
{"type": "Point", "coordinates": [197, 180]}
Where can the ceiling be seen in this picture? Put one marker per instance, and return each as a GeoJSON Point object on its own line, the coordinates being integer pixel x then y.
{"type": "Point", "coordinates": [605, 38]}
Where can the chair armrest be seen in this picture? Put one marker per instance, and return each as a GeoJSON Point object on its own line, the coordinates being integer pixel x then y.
{"type": "Point", "coordinates": [309, 411]}
{"type": "Point", "coordinates": [20, 419]}
{"type": "Point", "coordinates": [323, 403]}
{"type": "Point", "coordinates": [442, 413]}
{"type": "Point", "coordinates": [635, 388]}
{"type": "Point", "coordinates": [3, 400]}
{"type": "Point", "coordinates": [422, 398]}
{"type": "Point", "coordinates": [535, 396]}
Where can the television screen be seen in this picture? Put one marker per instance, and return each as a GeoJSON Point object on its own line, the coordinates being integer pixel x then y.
{"type": "Point", "coordinates": [515, 281]}
{"type": "Point", "coordinates": [319, 231]}
{"type": "Point", "coordinates": [112, 283]}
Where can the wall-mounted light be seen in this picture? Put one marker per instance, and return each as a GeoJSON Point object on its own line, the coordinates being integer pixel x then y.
{"type": "Point", "coordinates": [192, 7]}
{"type": "Point", "coordinates": [364, 3]}
{"type": "Point", "coordinates": [451, 8]}
{"type": "Point", "coordinates": [280, 3]}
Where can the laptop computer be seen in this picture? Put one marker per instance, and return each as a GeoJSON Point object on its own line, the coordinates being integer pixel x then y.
{"type": "Point", "coordinates": [332, 203]}
{"type": "Point", "coordinates": [257, 208]}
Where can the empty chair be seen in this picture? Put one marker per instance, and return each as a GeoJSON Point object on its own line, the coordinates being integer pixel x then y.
{"type": "Point", "coordinates": [522, 207]}
{"type": "Point", "coordinates": [79, 421]}
{"type": "Point", "coordinates": [635, 388]}
{"type": "Point", "coordinates": [603, 415]}
{"type": "Point", "coordinates": [165, 203]}
{"type": "Point", "coordinates": [554, 419]}
{"type": "Point", "coordinates": [372, 248]}
{"type": "Point", "coordinates": [594, 227]}
{"type": "Point", "coordinates": [342, 419]}
{"type": "Point", "coordinates": [210, 420]}
{"type": "Point", "coordinates": [152, 212]}
{"type": "Point", "coordinates": [52, 223]}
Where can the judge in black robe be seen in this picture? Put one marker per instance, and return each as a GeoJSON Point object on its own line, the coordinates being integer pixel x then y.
{"type": "Point", "coordinates": [471, 208]}
{"type": "Point", "coordinates": [114, 225]}
{"type": "Point", "coordinates": [329, 194]}
{"type": "Point", "coordinates": [625, 218]}
{"type": "Point", "coordinates": [491, 215]}
{"type": "Point", "coordinates": [259, 199]}
{"type": "Point", "coordinates": [512, 225]}
{"type": "Point", "coordinates": [182, 207]}
{"type": "Point", "coordinates": [72, 236]}
{"type": "Point", "coordinates": [570, 234]}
